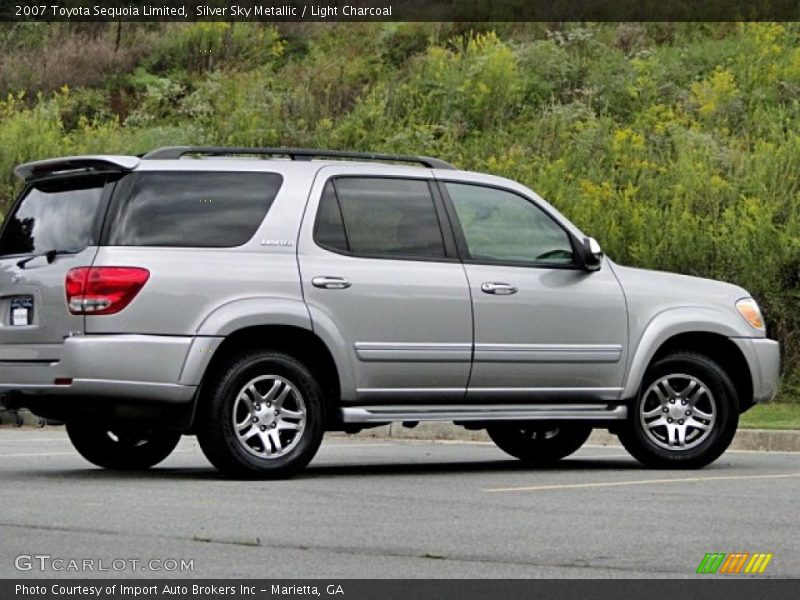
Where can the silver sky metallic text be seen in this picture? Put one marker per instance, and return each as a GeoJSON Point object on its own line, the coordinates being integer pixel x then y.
{"type": "Point", "coordinates": [245, 12]}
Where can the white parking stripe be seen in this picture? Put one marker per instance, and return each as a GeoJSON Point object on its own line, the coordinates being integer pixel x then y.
{"type": "Point", "coordinates": [193, 449]}
{"type": "Point", "coordinates": [26, 455]}
{"type": "Point", "coordinates": [72, 453]}
{"type": "Point", "coordinates": [329, 446]}
{"type": "Point", "coordinates": [601, 484]}
{"type": "Point", "coordinates": [34, 440]}
{"type": "Point", "coordinates": [593, 456]}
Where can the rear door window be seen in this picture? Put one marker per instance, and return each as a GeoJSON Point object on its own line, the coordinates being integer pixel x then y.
{"type": "Point", "coordinates": [379, 217]}
{"type": "Point", "coordinates": [191, 209]}
{"type": "Point", "coordinates": [54, 216]}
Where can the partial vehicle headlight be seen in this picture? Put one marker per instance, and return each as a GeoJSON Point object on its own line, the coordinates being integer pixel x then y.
{"type": "Point", "coordinates": [748, 308]}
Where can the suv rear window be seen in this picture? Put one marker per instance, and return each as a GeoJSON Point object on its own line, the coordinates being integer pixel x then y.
{"type": "Point", "coordinates": [57, 215]}
{"type": "Point", "coordinates": [198, 210]}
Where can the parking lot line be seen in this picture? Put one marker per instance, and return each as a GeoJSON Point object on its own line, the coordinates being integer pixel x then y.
{"type": "Point", "coordinates": [602, 484]}
{"type": "Point", "coordinates": [595, 456]}
{"type": "Point", "coordinates": [72, 453]}
{"type": "Point", "coordinates": [367, 445]}
{"type": "Point", "coordinates": [29, 454]}
{"type": "Point", "coordinates": [34, 440]}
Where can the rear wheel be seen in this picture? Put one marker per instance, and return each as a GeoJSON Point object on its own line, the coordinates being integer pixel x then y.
{"type": "Point", "coordinates": [539, 443]}
{"type": "Point", "coordinates": [122, 447]}
{"type": "Point", "coordinates": [263, 418]}
{"type": "Point", "coordinates": [685, 416]}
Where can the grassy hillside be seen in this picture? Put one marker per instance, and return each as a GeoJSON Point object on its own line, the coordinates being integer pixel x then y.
{"type": "Point", "coordinates": [676, 145]}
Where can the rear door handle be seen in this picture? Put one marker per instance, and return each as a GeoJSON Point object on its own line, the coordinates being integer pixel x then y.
{"type": "Point", "coordinates": [330, 283]}
{"type": "Point", "coordinates": [500, 289]}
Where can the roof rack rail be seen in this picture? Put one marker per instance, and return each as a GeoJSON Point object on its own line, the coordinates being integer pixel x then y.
{"type": "Point", "coordinates": [176, 152]}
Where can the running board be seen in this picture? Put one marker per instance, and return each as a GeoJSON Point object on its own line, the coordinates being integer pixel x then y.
{"type": "Point", "coordinates": [507, 412]}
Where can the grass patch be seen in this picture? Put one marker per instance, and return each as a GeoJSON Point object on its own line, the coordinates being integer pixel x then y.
{"type": "Point", "coordinates": [772, 416]}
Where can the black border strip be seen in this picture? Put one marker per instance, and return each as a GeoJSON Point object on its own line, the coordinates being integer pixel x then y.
{"type": "Point", "coordinates": [400, 10]}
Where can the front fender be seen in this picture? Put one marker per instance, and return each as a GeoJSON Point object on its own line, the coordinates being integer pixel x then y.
{"type": "Point", "coordinates": [672, 322]}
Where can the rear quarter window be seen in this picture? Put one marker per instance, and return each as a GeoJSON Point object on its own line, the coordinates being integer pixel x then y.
{"type": "Point", "coordinates": [191, 209]}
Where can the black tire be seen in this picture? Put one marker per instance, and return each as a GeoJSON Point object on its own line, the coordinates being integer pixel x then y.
{"type": "Point", "coordinates": [249, 459]}
{"type": "Point", "coordinates": [121, 447]}
{"type": "Point", "coordinates": [720, 399]}
{"type": "Point", "coordinates": [539, 443]}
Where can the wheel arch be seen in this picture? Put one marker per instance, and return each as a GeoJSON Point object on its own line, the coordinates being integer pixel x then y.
{"type": "Point", "coordinates": [723, 351]}
{"type": "Point", "coordinates": [300, 342]}
{"type": "Point", "coordinates": [681, 330]}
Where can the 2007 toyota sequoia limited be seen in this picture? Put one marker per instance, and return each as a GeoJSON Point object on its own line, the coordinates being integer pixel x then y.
{"type": "Point", "coordinates": [260, 297]}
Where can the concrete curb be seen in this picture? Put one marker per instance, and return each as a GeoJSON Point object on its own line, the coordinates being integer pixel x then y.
{"type": "Point", "coordinates": [763, 440]}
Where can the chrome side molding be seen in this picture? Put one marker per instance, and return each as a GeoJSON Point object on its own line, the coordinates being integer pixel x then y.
{"type": "Point", "coordinates": [548, 353]}
{"type": "Point", "coordinates": [527, 412]}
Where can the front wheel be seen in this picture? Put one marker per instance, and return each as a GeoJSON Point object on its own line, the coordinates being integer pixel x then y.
{"type": "Point", "coordinates": [539, 443]}
{"type": "Point", "coordinates": [121, 447]}
{"type": "Point", "coordinates": [685, 416]}
{"type": "Point", "coordinates": [263, 418]}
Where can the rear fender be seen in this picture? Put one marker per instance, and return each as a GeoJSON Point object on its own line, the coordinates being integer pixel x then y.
{"type": "Point", "coordinates": [254, 312]}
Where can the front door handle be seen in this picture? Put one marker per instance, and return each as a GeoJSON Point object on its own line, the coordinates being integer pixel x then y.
{"type": "Point", "coordinates": [330, 283]}
{"type": "Point", "coordinates": [500, 289]}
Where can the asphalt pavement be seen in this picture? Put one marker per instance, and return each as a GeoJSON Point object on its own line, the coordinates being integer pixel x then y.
{"type": "Point", "coordinates": [369, 508]}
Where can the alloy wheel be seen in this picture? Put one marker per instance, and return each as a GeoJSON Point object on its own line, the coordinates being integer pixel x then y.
{"type": "Point", "coordinates": [677, 412]}
{"type": "Point", "coordinates": [269, 416]}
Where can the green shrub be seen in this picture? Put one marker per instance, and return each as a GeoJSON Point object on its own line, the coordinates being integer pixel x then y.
{"type": "Point", "coordinates": [205, 46]}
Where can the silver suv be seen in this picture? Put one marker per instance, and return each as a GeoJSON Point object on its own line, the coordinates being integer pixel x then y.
{"type": "Point", "coordinates": [260, 297]}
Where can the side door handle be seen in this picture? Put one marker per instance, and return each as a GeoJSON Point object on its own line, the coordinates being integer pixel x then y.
{"type": "Point", "coordinates": [330, 283]}
{"type": "Point", "coordinates": [500, 289]}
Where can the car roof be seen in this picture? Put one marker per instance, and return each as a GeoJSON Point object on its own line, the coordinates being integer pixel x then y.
{"type": "Point", "coordinates": [75, 165]}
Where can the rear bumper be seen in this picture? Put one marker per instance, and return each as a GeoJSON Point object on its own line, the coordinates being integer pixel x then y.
{"type": "Point", "coordinates": [164, 369]}
{"type": "Point", "coordinates": [763, 357]}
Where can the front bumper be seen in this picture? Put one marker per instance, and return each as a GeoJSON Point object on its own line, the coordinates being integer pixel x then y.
{"type": "Point", "coordinates": [764, 359]}
{"type": "Point", "coordinates": [154, 368]}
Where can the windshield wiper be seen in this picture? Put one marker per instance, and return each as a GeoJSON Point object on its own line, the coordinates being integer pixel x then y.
{"type": "Point", "coordinates": [50, 255]}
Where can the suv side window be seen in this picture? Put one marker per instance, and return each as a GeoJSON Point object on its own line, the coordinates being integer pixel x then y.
{"type": "Point", "coordinates": [189, 209]}
{"type": "Point", "coordinates": [501, 226]}
{"type": "Point", "coordinates": [379, 217]}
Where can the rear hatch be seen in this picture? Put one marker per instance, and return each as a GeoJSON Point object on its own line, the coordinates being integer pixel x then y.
{"type": "Point", "coordinates": [53, 227]}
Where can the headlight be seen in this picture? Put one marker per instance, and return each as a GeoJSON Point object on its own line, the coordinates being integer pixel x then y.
{"type": "Point", "coordinates": [748, 308]}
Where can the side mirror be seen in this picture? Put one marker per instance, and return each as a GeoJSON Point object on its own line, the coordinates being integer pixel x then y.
{"type": "Point", "coordinates": [592, 254]}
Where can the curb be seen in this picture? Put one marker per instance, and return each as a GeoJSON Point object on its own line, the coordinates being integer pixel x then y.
{"type": "Point", "coordinates": [763, 440]}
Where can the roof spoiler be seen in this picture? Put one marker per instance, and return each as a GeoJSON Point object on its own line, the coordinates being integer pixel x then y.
{"type": "Point", "coordinates": [75, 165]}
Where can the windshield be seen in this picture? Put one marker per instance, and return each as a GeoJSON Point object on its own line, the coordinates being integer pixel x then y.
{"type": "Point", "coordinates": [53, 217]}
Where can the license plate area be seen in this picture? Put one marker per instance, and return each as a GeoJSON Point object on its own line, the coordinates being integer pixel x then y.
{"type": "Point", "coordinates": [21, 311]}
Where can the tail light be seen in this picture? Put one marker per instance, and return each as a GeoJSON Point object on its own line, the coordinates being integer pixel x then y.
{"type": "Point", "coordinates": [103, 290]}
